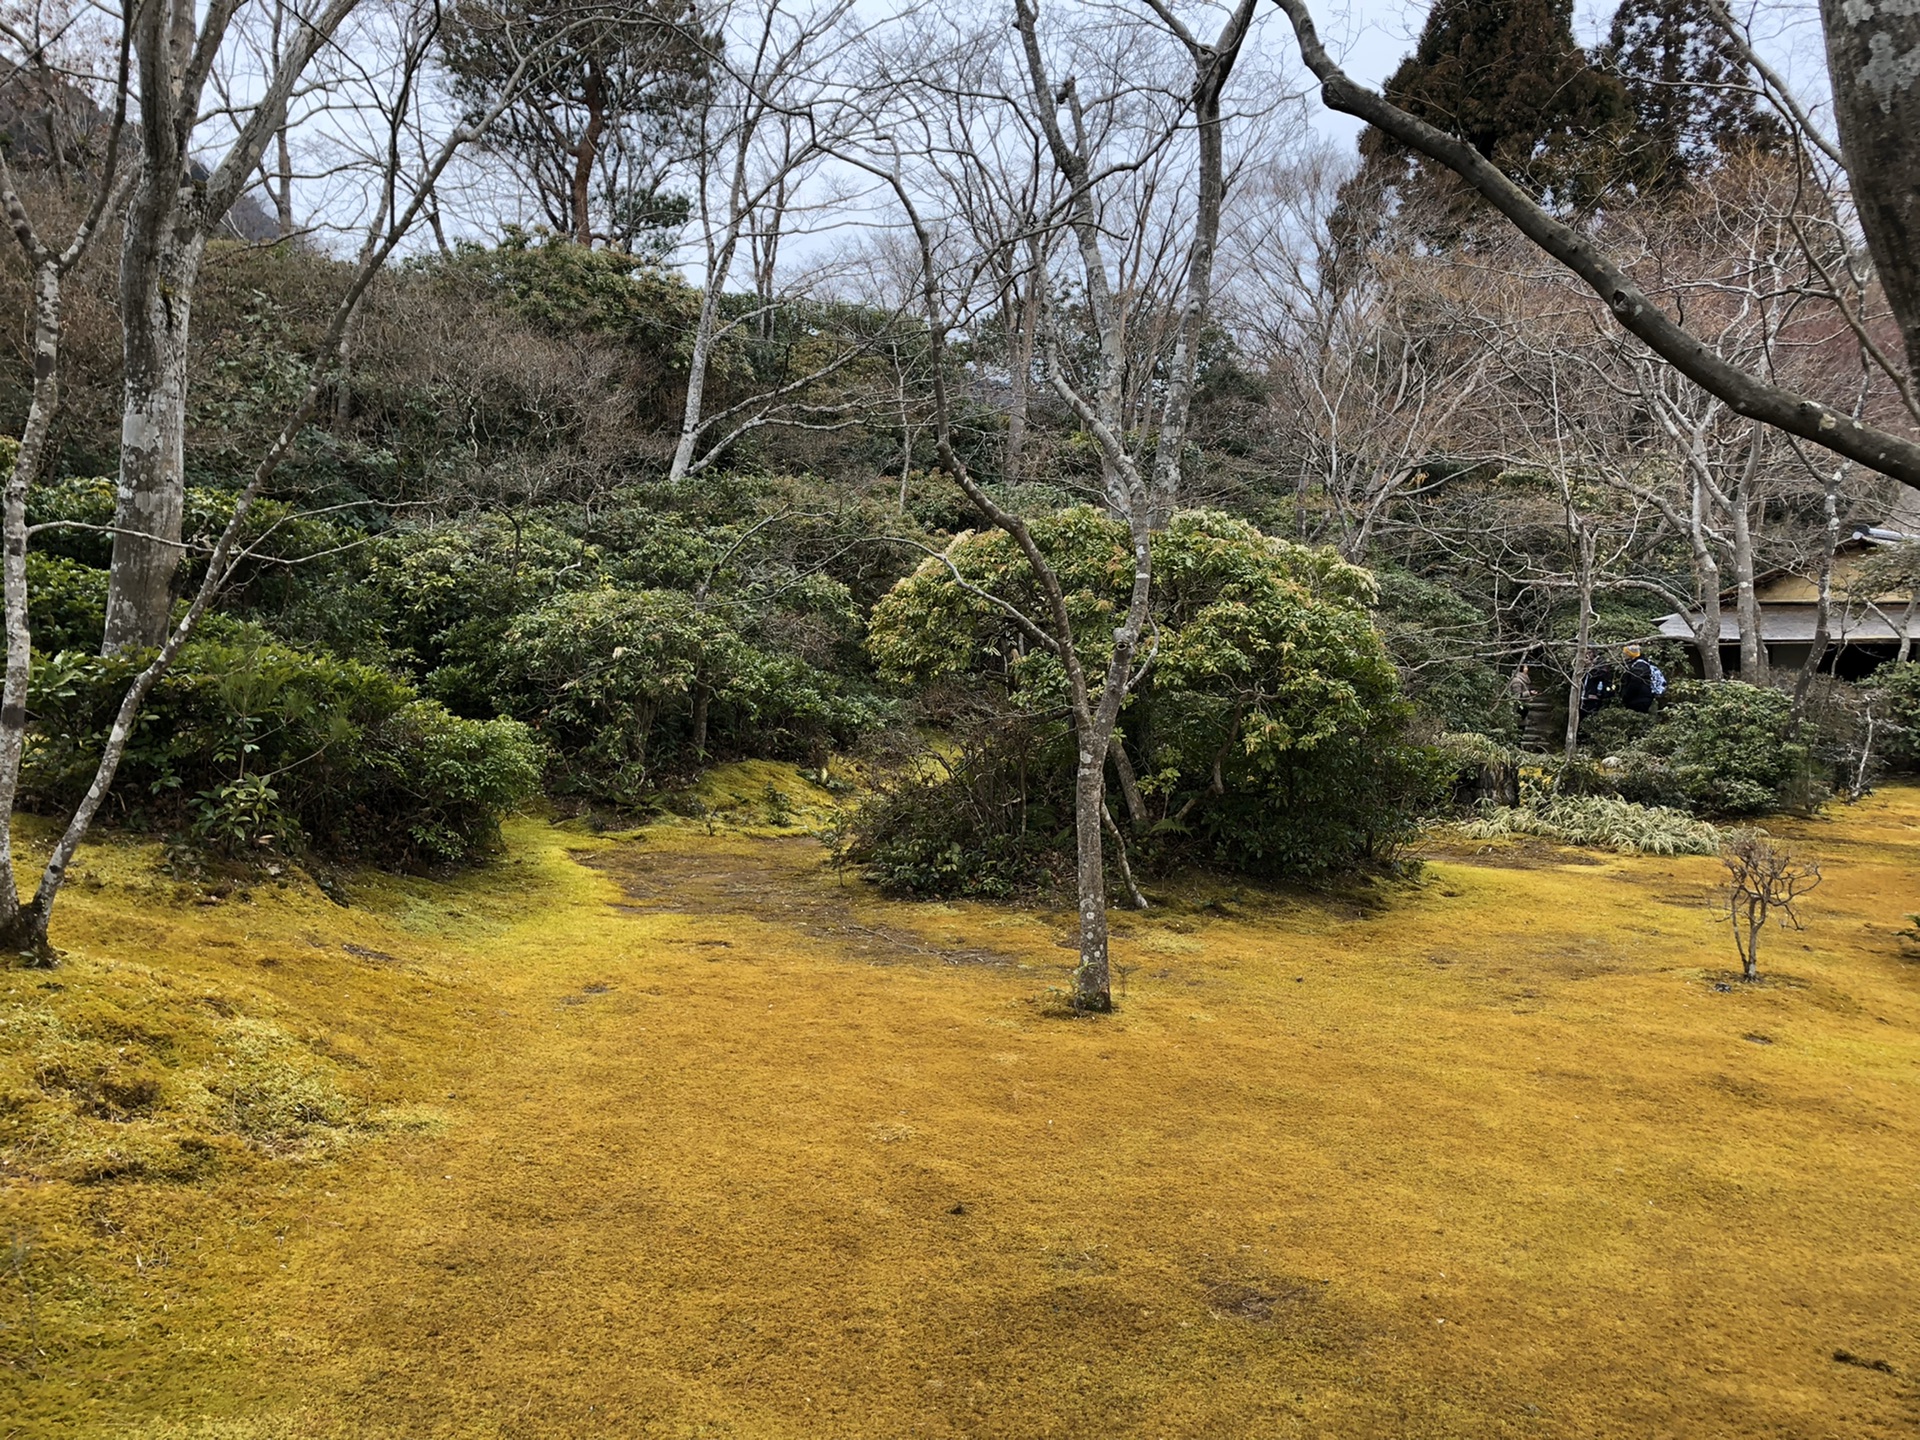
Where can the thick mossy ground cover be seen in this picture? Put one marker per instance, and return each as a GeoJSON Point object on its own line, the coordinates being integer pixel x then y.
{"type": "Point", "coordinates": [685, 1135]}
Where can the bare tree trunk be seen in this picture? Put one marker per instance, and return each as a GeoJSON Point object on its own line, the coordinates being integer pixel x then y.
{"type": "Point", "coordinates": [283, 185]}
{"type": "Point", "coordinates": [1129, 783]}
{"type": "Point", "coordinates": [702, 702]}
{"type": "Point", "coordinates": [1906, 627]}
{"type": "Point", "coordinates": [1706, 579]}
{"type": "Point", "coordinates": [1823, 607]}
{"type": "Point", "coordinates": [586, 153]}
{"type": "Point", "coordinates": [1753, 645]}
{"type": "Point", "coordinates": [159, 268]}
{"type": "Point", "coordinates": [1020, 377]}
{"type": "Point", "coordinates": [25, 931]}
{"type": "Point", "coordinates": [1138, 900]}
{"type": "Point", "coordinates": [697, 379]}
{"type": "Point", "coordinates": [1873, 60]}
{"type": "Point", "coordinates": [1583, 629]}
{"type": "Point", "coordinates": [164, 236]}
{"type": "Point", "coordinates": [1093, 986]}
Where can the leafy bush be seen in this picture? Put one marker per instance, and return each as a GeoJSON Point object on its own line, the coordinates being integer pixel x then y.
{"type": "Point", "coordinates": [251, 745]}
{"type": "Point", "coordinates": [1601, 822]}
{"type": "Point", "coordinates": [1898, 690]}
{"type": "Point", "coordinates": [1271, 737]}
{"type": "Point", "coordinates": [446, 595]}
{"type": "Point", "coordinates": [1721, 749]}
{"type": "Point", "coordinates": [991, 818]}
{"type": "Point", "coordinates": [1438, 639]}
{"type": "Point", "coordinates": [627, 683]}
{"type": "Point", "coordinates": [66, 603]}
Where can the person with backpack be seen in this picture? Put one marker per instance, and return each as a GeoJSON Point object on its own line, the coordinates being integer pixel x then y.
{"type": "Point", "coordinates": [1597, 688]}
{"type": "Point", "coordinates": [1641, 681]}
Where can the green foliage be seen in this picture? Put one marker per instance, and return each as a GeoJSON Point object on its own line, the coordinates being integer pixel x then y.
{"type": "Point", "coordinates": [1270, 737]}
{"type": "Point", "coordinates": [571, 289]}
{"type": "Point", "coordinates": [1600, 821]}
{"type": "Point", "coordinates": [626, 683]}
{"type": "Point", "coordinates": [1510, 80]}
{"type": "Point", "coordinates": [1437, 639]}
{"type": "Point", "coordinates": [990, 817]}
{"type": "Point", "coordinates": [77, 514]}
{"type": "Point", "coordinates": [1897, 688]}
{"type": "Point", "coordinates": [444, 596]}
{"type": "Point", "coordinates": [1693, 97]}
{"type": "Point", "coordinates": [66, 603]}
{"type": "Point", "coordinates": [253, 746]}
{"type": "Point", "coordinates": [1721, 749]}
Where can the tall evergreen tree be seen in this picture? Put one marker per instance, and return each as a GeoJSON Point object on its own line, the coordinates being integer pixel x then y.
{"type": "Point", "coordinates": [1691, 93]}
{"type": "Point", "coordinates": [596, 122]}
{"type": "Point", "coordinates": [1507, 77]}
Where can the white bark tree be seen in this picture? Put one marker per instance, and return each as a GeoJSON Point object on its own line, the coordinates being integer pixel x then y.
{"type": "Point", "coordinates": [772, 114]}
{"type": "Point", "coordinates": [181, 191]}
{"type": "Point", "coordinates": [399, 198]}
{"type": "Point", "coordinates": [1141, 486]}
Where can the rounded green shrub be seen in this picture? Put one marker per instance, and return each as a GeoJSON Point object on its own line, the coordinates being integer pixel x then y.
{"type": "Point", "coordinates": [250, 745]}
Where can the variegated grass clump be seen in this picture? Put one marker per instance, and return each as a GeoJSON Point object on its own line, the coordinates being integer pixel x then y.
{"type": "Point", "coordinates": [1601, 822]}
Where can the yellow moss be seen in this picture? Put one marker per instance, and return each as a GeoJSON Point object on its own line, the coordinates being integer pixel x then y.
{"type": "Point", "coordinates": [697, 1138]}
{"type": "Point", "coordinates": [762, 797]}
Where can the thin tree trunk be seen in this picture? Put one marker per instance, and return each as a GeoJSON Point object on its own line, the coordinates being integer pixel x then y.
{"type": "Point", "coordinates": [1021, 368]}
{"type": "Point", "coordinates": [1138, 901]}
{"type": "Point", "coordinates": [1753, 645]}
{"type": "Point", "coordinates": [1706, 575]}
{"type": "Point", "coordinates": [1093, 987]}
{"type": "Point", "coordinates": [1583, 629]}
{"type": "Point", "coordinates": [1823, 606]}
{"type": "Point", "coordinates": [159, 268]}
{"type": "Point", "coordinates": [1129, 784]}
{"type": "Point", "coordinates": [25, 931]}
{"type": "Point", "coordinates": [702, 702]}
{"type": "Point", "coordinates": [696, 384]}
{"type": "Point", "coordinates": [586, 153]}
{"type": "Point", "coordinates": [283, 185]}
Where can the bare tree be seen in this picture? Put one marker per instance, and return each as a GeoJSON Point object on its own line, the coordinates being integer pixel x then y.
{"type": "Point", "coordinates": [179, 195]}
{"type": "Point", "coordinates": [401, 197]}
{"type": "Point", "coordinates": [50, 264]}
{"type": "Point", "coordinates": [1139, 489]}
{"type": "Point", "coordinates": [768, 122]}
{"type": "Point", "coordinates": [1765, 877]}
{"type": "Point", "coordinates": [1882, 157]}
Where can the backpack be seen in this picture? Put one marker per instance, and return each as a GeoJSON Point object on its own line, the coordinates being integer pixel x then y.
{"type": "Point", "coordinates": [1656, 679]}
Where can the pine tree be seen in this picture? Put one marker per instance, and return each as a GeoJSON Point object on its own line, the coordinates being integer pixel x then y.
{"type": "Point", "coordinates": [1688, 88]}
{"type": "Point", "coordinates": [1508, 77]}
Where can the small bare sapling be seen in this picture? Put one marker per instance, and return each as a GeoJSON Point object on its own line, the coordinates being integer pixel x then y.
{"type": "Point", "coordinates": [1764, 877]}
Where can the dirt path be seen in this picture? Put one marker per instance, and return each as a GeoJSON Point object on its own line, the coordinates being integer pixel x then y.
{"type": "Point", "coordinates": [776, 882]}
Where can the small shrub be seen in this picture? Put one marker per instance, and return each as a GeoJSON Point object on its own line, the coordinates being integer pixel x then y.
{"type": "Point", "coordinates": [1722, 749]}
{"type": "Point", "coordinates": [992, 819]}
{"type": "Point", "coordinates": [250, 745]}
{"type": "Point", "coordinates": [1601, 822]}
{"type": "Point", "coordinates": [1765, 878]}
{"type": "Point", "coordinates": [66, 603]}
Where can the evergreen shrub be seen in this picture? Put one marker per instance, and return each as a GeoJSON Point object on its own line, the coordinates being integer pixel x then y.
{"type": "Point", "coordinates": [252, 746]}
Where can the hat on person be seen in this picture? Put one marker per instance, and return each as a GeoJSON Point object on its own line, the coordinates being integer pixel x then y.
{"type": "Point", "coordinates": [1632, 652]}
